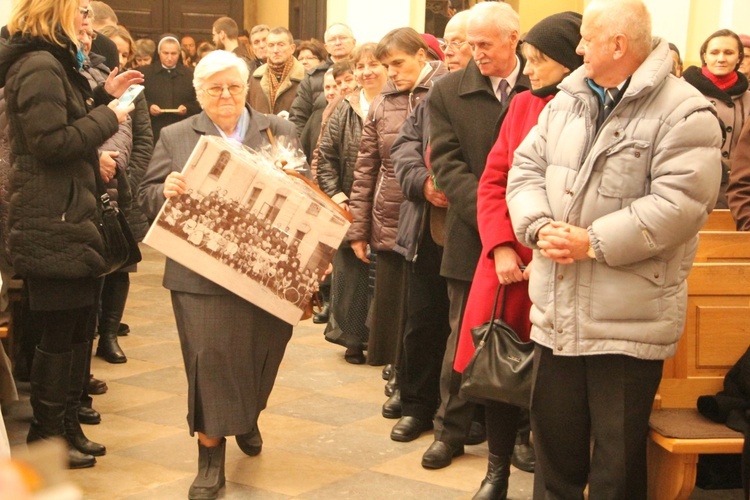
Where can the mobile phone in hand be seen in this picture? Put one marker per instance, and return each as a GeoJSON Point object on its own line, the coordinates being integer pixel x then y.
{"type": "Point", "coordinates": [127, 97]}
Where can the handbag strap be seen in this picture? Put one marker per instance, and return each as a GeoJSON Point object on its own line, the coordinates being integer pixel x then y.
{"type": "Point", "coordinates": [499, 315]}
{"type": "Point", "coordinates": [270, 137]}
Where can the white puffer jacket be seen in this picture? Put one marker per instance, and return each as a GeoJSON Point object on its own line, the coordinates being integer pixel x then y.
{"type": "Point", "coordinates": [642, 186]}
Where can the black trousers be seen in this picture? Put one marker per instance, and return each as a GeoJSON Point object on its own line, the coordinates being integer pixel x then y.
{"type": "Point", "coordinates": [427, 330]}
{"type": "Point", "coordinates": [589, 416]}
{"type": "Point", "coordinates": [454, 416]}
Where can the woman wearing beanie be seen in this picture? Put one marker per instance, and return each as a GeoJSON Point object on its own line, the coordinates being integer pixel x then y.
{"type": "Point", "coordinates": [550, 52]}
{"type": "Point", "coordinates": [727, 89]}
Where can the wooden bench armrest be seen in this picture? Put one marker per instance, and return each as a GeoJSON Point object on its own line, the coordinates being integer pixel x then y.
{"type": "Point", "coordinates": [688, 446]}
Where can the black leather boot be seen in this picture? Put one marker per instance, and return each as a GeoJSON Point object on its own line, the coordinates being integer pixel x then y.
{"type": "Point", "coordinates": [50, 383]}
{"type": "Point", "coordinates": [210, 478]}
{"type": "Point", "coordinates": [114, 296]}
{"type": "Point", "coordinates": [73, 431]}
{"type": "Point", "coordinates": [387, 370]}
{"type": "Point", "coordinates": [495, 483]}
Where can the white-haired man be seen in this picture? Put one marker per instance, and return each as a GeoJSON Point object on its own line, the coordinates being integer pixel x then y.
{"type": "Point", "coordinates": [454, 44]}
{"type": "Point", "coordinates": [466, 111]}
{"type": "Point", "coordinates": [610, 191]}
{"type": "Point", "coordinates": [339, 42]}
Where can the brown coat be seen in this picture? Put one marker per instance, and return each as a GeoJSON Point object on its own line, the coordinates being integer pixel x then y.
{"type": "Point", "coordinates": [733, 108]}
{"type": "Point", "coordinates": [376, 194]}
{"type": "Point", "coordinates": [739, 180]}
{"type": "Point", "coordinates": [258, 95]}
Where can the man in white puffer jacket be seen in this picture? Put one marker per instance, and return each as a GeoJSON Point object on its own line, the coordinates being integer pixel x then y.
{"type": "Point", "coordinates": [610, 189]}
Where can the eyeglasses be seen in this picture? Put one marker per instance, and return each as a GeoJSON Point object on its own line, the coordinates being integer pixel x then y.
{"type": "Point", "coordinates": [217, 90]}
{"type": "Point", "coordinates": [454, 45]}
{"type": "Point", "coordinates": [85, 12]}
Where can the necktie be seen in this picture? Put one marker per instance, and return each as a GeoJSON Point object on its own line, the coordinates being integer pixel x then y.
{"type": "Point", "coordinates": [610, 96]}
{"type": "Point", "coordinates": [502, 87]}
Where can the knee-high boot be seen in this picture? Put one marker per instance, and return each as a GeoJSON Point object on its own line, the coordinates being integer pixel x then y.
{"type": "Point", "coordinates": [79, 376]}
{"type": "Point", "coordinates": [50, 383]}
{"type": "Point", "coordinates": [114, 297]}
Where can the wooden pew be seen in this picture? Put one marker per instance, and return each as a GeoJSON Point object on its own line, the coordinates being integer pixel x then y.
{"type": "Point", "coordinates": [720, 220]}
{"type": "Point", "coordinates": [717, 333]}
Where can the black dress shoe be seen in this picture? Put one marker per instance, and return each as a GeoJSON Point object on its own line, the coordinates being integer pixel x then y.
{"type": "Point", "coordinates": [392, 407]}
{"type": "Point", "coordinates": [251, 443]}
{"type": "Point", "coordinates": [477, 433]}
{"type": "Point", "coordinates": [409, 428]}
{"type": "Point", "coordinates": [354, 356]}
{"type": "Point", "coordinates": [387, 370]}
{"type": "Point", "coordinates": [96, 386]}
{"type": "Point", "coordinates": [440, 455]}
{"type": "Point", "coordinates": [523, 457]}
{"type": "Point", "coordinates": [322, 316]}
{"type": "Point", "coordinates": [88, 415]}
{"type": "Point", "coordinates": [123, 330]}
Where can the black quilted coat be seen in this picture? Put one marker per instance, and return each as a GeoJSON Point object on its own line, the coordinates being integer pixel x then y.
{"type": "Point", "coordinates": [55, 129]}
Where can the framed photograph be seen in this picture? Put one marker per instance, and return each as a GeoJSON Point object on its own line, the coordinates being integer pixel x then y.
{"type": "Point", "coordinates": [247, 225]}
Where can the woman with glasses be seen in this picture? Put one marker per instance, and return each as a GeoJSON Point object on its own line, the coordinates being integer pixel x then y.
{"type": "Point", "coordinates": [57, 122]}
{"type": "Point", "coordinates": [311, 53]}
{"type": "Point", "coordinates": [231, 348]}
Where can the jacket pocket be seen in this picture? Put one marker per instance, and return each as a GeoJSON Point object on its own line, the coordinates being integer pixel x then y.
{"type": "Point", "coordinates": [628, 293]}
{"type": "Point", "coordinates": [626, 170]}
{"type": "Point", "coordinates": [80, 203]}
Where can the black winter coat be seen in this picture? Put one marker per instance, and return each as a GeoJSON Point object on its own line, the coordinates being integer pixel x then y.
{"type": "Point", "coordinates": [168, 89]}
{"type": "Point", "coordinates": [308, 100]}
{"type": "Point", "coordinates": [338, 149]}
{"type": "Point", "coordinates": [465, 119]}
{"type": "Point", "coordinates": [55, 131]}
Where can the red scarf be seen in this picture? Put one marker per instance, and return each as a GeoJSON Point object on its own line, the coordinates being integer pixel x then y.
{"type": "Point", "coordinates": [723, 82]}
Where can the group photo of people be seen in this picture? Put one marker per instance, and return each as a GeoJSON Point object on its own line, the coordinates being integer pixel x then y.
{"type": "Point", "coordinates": [484, 186]}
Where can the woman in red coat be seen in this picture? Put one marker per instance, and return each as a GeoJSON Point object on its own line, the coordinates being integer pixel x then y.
{"type": "Point", "coordinates": [550, 51]}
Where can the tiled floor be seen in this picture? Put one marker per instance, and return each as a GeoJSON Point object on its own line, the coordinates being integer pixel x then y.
{"type": "Point", "coordinates": [324, 437]}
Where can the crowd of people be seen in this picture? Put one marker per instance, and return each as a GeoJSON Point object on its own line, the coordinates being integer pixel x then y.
{"type": "Point", "coordinates": [572, 166]}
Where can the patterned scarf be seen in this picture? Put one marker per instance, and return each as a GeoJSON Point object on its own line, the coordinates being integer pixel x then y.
{"type": "Point", "coordinates": [277, 73]}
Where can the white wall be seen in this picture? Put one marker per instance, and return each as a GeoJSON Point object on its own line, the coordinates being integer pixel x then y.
{"type": "Point", "coordinates": [5, 6]}
{"type": "Point", "coordinates": [671, 20]}
{"type": "Point", "coordinates": [371, 20]}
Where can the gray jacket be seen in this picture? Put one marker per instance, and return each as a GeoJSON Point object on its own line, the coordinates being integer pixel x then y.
{"type": "Point", "coordinates": [643, 186]}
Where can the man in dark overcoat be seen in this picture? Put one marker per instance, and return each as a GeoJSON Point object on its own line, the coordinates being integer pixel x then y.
{"type": "Point", "coordinates": [466, 111]}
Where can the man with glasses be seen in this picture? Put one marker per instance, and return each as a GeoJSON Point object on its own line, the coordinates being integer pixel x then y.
{"type": "Point", "coordinates": [225, 33]}
{"type": "Point", "coordinates": [466, 111]}
{"type": "Point", "coordinates": [453, 44]}
{"type": "Point", "coordinates": [273, 86]}
{"type": "Point", "coordinates": [339, 42]}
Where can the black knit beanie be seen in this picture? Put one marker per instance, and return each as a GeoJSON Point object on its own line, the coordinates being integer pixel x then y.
{"type": "Point", "coordinates": [557, 37]}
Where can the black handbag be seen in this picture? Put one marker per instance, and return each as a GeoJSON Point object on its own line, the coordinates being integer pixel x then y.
{"type": "Point", "coordinates": [501, 367]}
{"type": "Point", "coordinates": [119, 246]}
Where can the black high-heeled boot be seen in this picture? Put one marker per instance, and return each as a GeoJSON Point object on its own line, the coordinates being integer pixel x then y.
{"type": "Point", "coordinates": [50, 383]}
{"type": "Point", "coordinates": [78, 377]}
{"type": "Point", "coordinates": [495, 483]}
{"type": "Point", "coordinates": [114, 297]}
{"type": "Point", "coordinates": [210, 479]}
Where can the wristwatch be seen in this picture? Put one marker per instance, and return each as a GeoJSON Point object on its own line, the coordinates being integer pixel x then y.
{"type": "Point", "coordinates": [590, 252]}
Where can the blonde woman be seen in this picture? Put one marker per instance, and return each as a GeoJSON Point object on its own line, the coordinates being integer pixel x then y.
{"type": "Point", "coordinates": [57, 122]}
